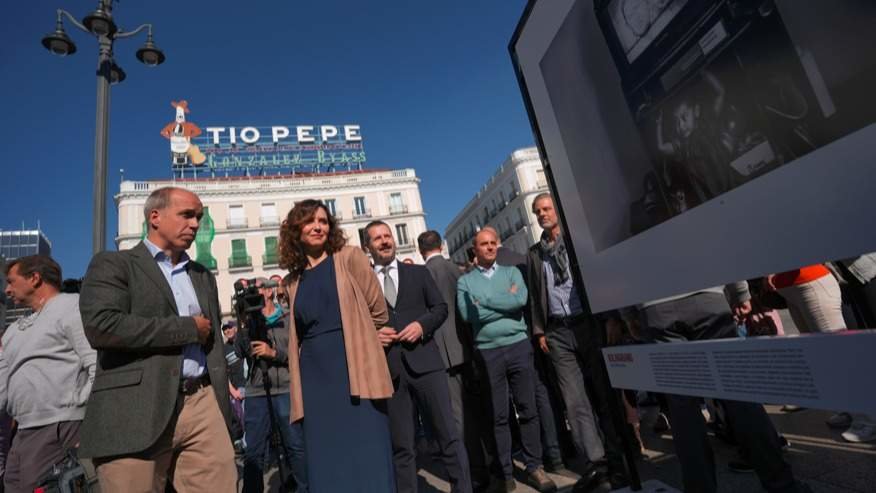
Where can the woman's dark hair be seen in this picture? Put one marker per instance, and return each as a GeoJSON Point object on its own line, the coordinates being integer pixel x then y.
{"type": "Point", "coordinates": [292, 254]}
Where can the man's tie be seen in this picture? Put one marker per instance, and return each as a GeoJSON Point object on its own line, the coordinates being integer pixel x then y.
{"type": "Point", "coordinates": [389, 291]}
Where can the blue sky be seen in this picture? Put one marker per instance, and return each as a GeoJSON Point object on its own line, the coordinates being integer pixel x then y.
{"type": "Point", "coordinates": [431, 84]}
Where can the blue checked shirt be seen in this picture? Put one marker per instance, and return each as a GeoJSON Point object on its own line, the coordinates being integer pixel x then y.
{"type": "Point", "coordinates": [194, 358]}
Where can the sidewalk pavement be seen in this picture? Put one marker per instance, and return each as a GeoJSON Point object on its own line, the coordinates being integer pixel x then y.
{"type": "Point", "coordinates": [818, 456]}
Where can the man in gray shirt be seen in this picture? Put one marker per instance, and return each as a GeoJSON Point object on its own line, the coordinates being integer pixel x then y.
{"type": "Point", "coordinates": [46, 371]}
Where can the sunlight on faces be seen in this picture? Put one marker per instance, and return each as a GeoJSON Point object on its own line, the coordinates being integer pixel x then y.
{"type": "Point", "coordinates": [381, 244]}
{"type": "Point", "coordinates": [175, 226]}
{"type": "Point", "coordinates": [545, 213]}
{"type": "Point", "coordinates": [486, 244]}
{"type": "Point", "coordinates": [315, 231]}
{"type": "Point", "coordinates": [21, 289]}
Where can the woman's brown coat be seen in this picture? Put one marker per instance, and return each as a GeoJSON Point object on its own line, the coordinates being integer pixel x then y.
{"type": "Point", "coordinates": [363, 311]}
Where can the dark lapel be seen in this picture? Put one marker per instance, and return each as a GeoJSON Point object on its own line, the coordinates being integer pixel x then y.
{"type": "Point", "coordinates": [149, 266]}
{"type": "Point", "coordinates": [198, 275]}
{"type": "Point", "coordinates": [404, 284]}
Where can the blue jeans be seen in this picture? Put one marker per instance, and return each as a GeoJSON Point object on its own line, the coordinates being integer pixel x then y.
{"type": "Point", "coordinates": [258, 437]}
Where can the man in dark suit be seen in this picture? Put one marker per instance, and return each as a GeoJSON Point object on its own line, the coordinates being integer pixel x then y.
{"type": "Point", "coordinates": [159, 407]}
{"type": "Point", "coordinates": [416, 312]}
{"type": "Point", "coordinates": [454, 342]}
{"type": "Point", "coordinates": [455, 345]}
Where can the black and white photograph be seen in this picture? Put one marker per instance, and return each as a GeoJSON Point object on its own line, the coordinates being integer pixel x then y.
{"type": "Point", "coordinates": [667, 120]}
{"type": "Point", "coordinates": [719, 95]}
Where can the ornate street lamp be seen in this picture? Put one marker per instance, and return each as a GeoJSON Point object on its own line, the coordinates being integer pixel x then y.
{"type": "Point", "coordinates": [101, 25]}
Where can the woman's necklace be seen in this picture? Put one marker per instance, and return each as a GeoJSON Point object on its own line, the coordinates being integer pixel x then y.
{"type": "Point", "coordinates": [29, 320]}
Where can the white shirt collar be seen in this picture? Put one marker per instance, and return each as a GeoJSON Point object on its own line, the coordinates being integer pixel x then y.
{"type": "Point", "coordinates": [393, 266]}
{"type": "Point", "coordinates": [487, 271]}
{"type": "Point", "coordinates": [433, 254]}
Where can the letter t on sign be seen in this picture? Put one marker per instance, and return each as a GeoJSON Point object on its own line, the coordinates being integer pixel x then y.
{"type": "Point", "coordinates": [215, 131]}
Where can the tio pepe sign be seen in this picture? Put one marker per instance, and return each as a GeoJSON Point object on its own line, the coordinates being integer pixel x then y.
{"type": "Point", "coordinates": [263, 150]}
{"type": "Point", "coordinates": [304, 134]}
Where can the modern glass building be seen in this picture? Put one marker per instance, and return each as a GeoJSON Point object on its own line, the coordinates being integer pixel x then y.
{"type": "Point", "coordinates": [14, 244]}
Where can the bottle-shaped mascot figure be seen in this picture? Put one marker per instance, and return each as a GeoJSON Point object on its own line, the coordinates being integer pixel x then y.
{"type": "Point", "coordinates": [180, 133]}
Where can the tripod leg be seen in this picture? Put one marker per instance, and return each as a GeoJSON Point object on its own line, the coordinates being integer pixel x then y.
{"type": "Point", "coordinates": [284, 440]}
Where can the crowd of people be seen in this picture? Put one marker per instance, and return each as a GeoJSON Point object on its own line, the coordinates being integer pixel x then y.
{"type": "Point", "coordinates": [359, 359]}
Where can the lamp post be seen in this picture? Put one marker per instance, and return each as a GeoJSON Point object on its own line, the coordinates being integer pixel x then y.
{"type": "Point", "coordinates": [100, 24]}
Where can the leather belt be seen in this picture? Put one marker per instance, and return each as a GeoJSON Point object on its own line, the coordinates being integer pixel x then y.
{"type": "Point", "coordinates": [567, 320]}
{"type": "Point", "coordinates": [189, 386]}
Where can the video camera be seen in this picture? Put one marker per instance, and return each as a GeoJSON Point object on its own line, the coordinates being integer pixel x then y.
{"type": "Point", "coordinates": [248, 303]}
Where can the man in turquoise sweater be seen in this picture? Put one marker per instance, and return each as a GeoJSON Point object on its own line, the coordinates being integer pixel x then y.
{"type": "Point", "coordinates": [491, 298]}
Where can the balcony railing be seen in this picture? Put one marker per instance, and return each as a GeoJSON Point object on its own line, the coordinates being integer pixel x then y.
{"type": "Point", "coordinates": [338, 215]}
{"type": "Point", "coordinates": [237, 223]}
{"type": "Point", "coordinates": [408, 247]}
{"type": "Point", "coordinates": [239, 261]}
{"type": "Point", "coordinates": [270, 259]}
{"type": "Point", "coordinates": [398, 209]}
{"type": "Point", "coordinates": [362, 214]}
{"type": "Point", "coordinates": [269, 221]}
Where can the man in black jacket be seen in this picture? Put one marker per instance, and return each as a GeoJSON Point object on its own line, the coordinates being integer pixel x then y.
{"type": "Point", "coordinates": [416, 312]}
{"type": "Point", "coordinates": [564, 329]}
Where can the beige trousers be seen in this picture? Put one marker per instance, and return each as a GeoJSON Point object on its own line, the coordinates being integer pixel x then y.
{"type": "Point", "coordinates": [816, 306]}
{"type": "Point", "coordinates": [196, 455]}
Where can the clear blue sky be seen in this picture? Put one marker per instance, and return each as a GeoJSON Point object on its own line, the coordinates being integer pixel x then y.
{"type": "Point", "coordinates": [431, 83]}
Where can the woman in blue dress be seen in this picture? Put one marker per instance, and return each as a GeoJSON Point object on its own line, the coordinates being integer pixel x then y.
{"type": "Point", "coordinates": [339, 380]}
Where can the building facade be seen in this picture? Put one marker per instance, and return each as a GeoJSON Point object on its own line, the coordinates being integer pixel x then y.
{"type": "Point", "coordinates": [240, 229]}
{"type": "Point", "coordinates": [505, 203]}
{"type": "Point", "coordinates": [15, 244]}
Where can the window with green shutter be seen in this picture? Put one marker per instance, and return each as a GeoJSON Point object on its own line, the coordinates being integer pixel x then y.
{"type": "Point", "coordinates": [271, 256]}
{"type": "Point", "coordinates": [238, 257]}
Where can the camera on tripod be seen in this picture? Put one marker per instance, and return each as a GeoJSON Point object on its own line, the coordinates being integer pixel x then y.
{"type": "Point", "coordinates": [248, 303]}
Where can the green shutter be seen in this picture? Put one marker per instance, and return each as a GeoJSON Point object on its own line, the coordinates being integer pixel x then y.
{"type": "Point", "coordinates": [271, 256]}
{"type": "Point", "coordinates": [238, 257]}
